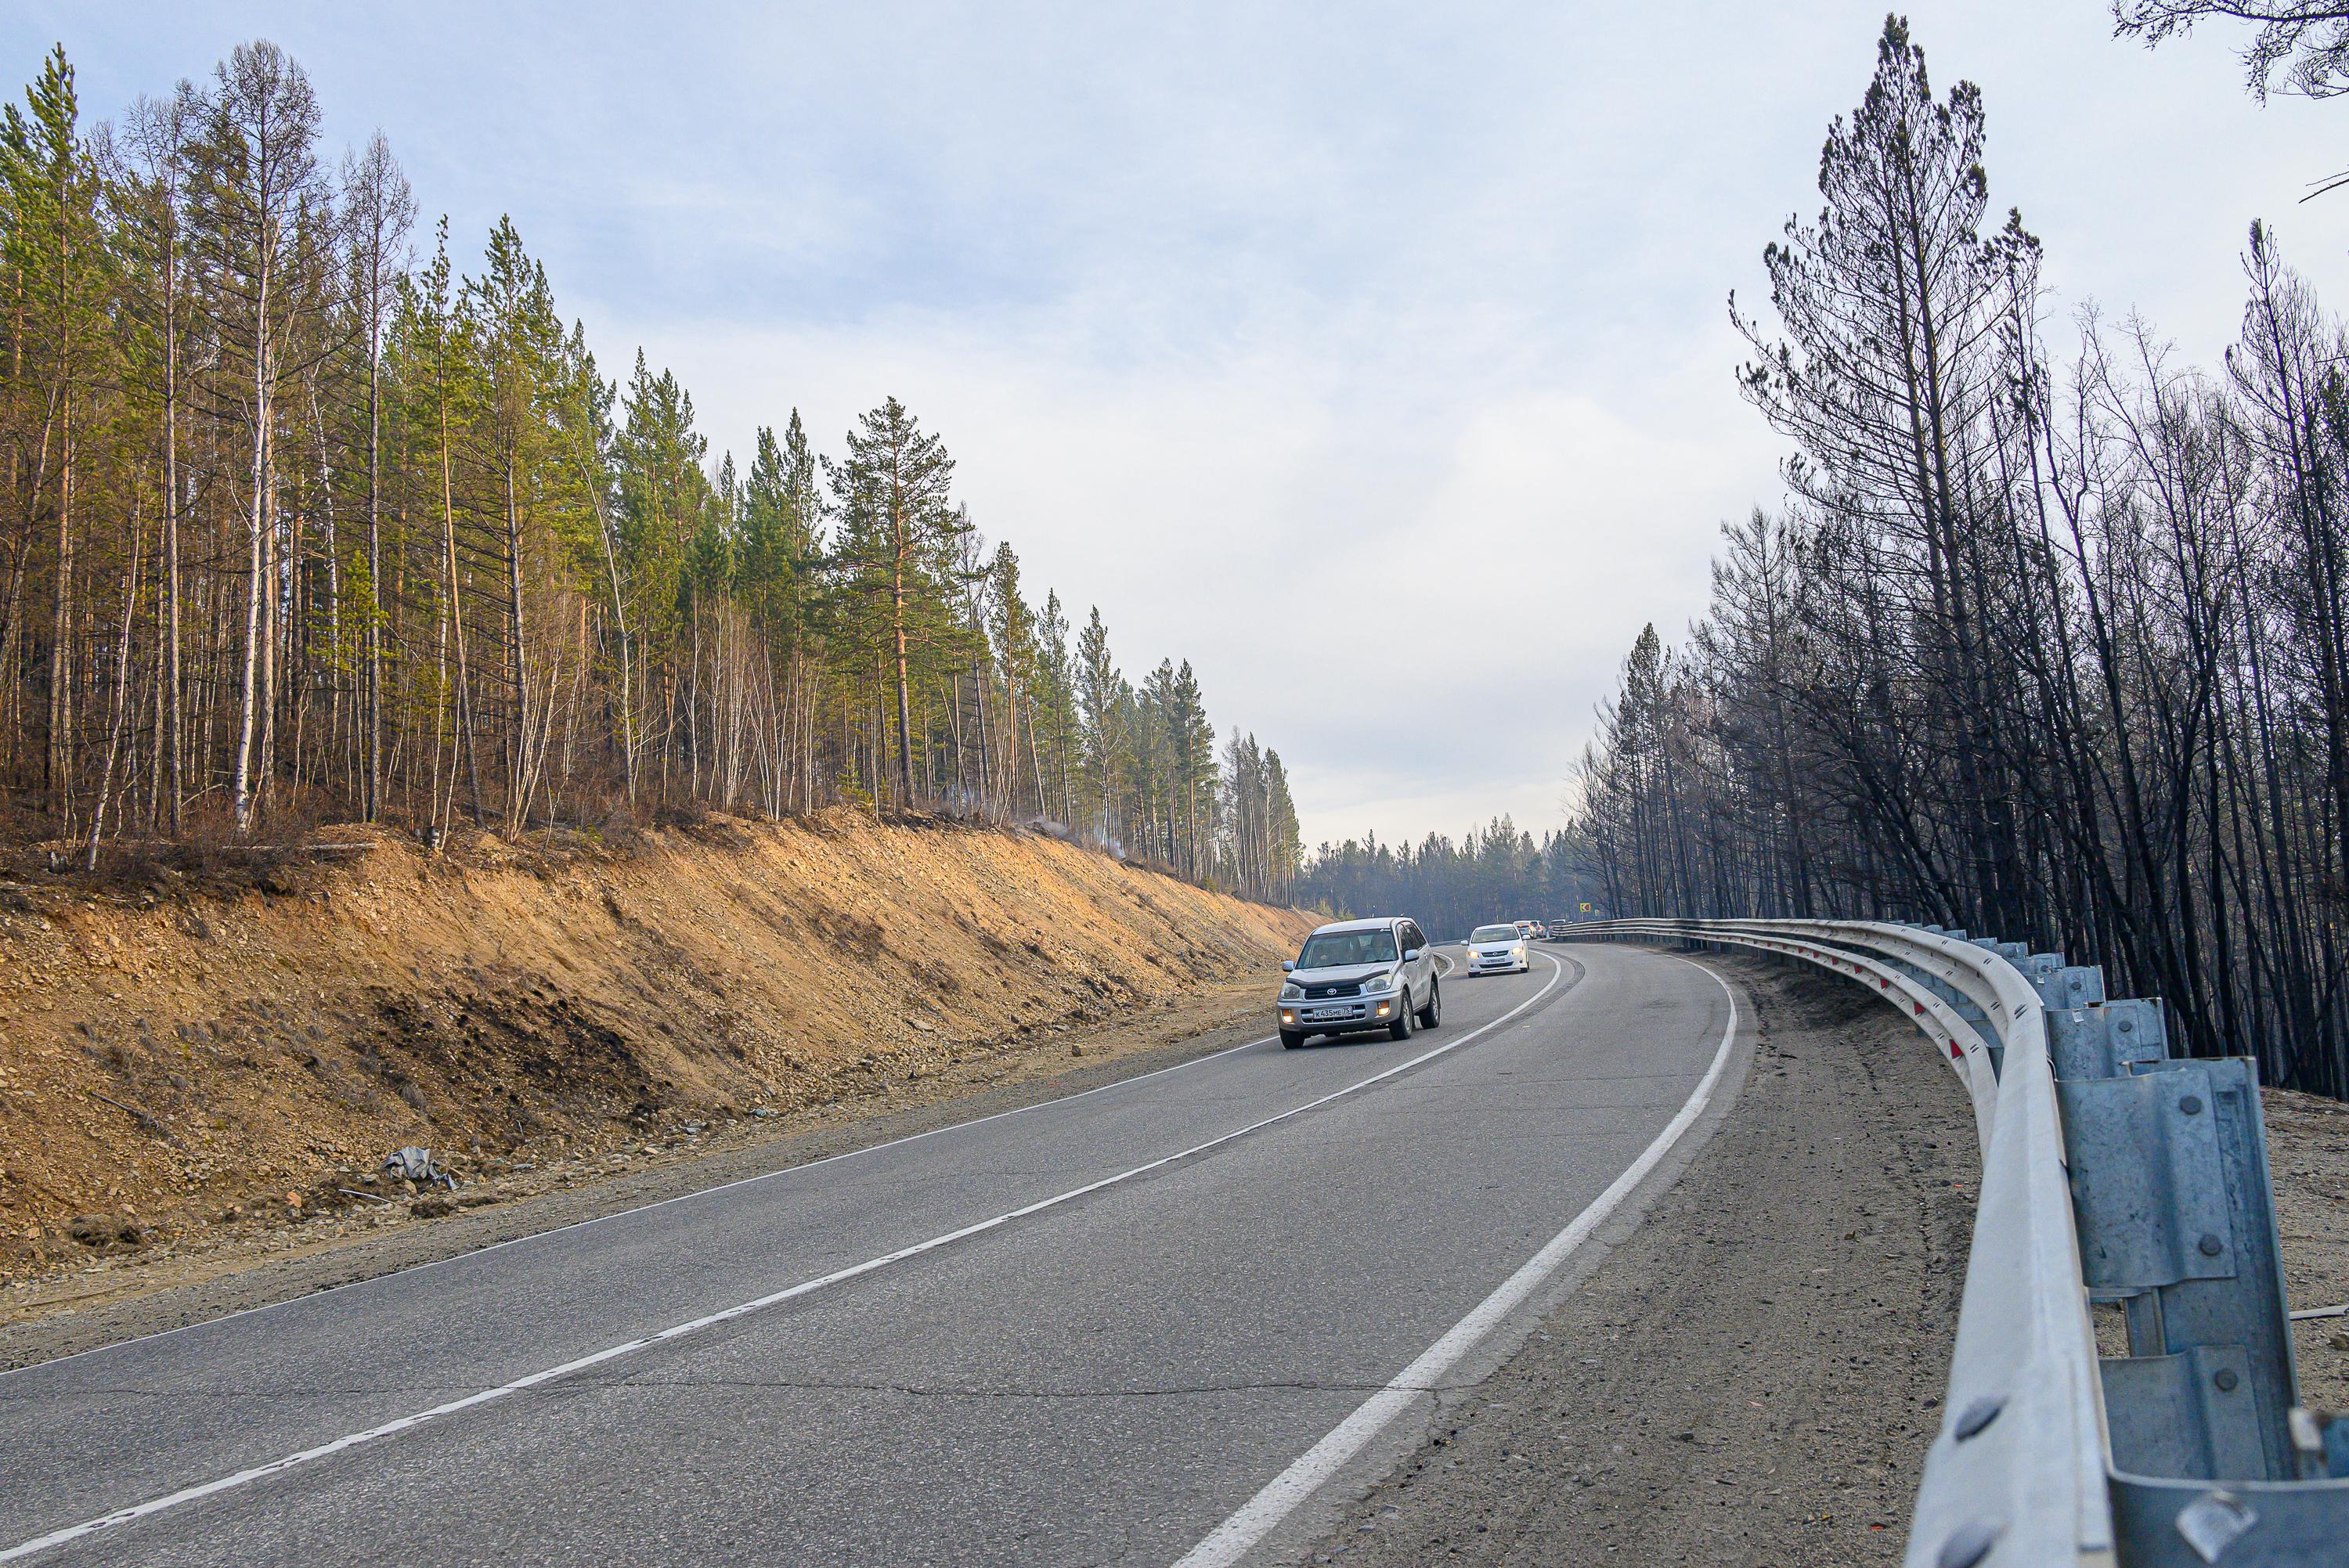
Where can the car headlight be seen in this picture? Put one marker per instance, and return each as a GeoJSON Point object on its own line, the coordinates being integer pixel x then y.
{"type": "Point", "coordinates": [1379, 983]}
{"type": "Point", "coordinates": [1292, 992]}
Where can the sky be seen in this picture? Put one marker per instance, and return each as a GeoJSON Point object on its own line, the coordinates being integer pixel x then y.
{"type": "Point", "coordinates": [1376, 359]}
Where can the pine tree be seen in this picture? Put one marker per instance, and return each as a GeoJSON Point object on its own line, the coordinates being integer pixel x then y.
{"type": "Point", "coordinates": [897, 537]}
{"type": "Point", "coordinates": [57, 268]}
{"type": "Point", "coordinates": [298, 531]}
{"type": "Point", "coordinates": [1099, 687]}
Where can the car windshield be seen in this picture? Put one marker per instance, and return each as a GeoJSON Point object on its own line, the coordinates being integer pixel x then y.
{"type": "Point", "coordinates": [1336, 949]}
{"type": "Point", "coordinates": [1495, 934]}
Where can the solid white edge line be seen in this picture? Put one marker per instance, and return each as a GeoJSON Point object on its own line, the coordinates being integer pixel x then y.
{"type": "Point", "coordinates": [678, 1331]}
{"type": "Point", "coordinates": [1261, 1514]}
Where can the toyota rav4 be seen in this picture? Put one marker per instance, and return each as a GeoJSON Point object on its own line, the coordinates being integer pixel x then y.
{"type": "Point", "coordinates": [1360, 974]}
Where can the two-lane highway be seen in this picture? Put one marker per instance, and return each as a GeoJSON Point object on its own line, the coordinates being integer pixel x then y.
{"type": "Point", "coordinates": [1105, 1329]}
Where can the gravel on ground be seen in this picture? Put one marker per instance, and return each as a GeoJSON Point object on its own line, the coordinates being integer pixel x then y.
{"type": "Point", "coordinates": [2308, 1159]}
{"type": "Point", "coordinates": [1753, 1376]}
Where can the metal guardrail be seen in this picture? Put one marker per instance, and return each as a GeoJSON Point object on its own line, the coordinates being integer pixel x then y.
{"type": "Point", "coordinates": [2111, 1173]}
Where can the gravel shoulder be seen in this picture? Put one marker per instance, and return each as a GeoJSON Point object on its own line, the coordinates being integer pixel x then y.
{"type": "Point", "coordinates": [171, 1285]}
{"type": "Point", "coordinates": [1754, 1376]}
{"type": "Point", "coordinates": [2308, 1160]}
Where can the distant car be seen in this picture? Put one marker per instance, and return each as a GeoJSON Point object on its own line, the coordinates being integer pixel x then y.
{"type": "Point", "coordinates": [1498, 950]}
{"type": "Point", "coordinates": [1359, 974]}
{"type": "Point", "coordinates": [1539, 932]}
{"type": "Point", "coordinates": [1526, 928]}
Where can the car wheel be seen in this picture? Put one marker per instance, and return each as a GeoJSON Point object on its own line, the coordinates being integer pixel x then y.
{"type": "Point", "coordinates": [1432, 1014]}
{"type": "Point", "coordinates": [1400, 1029]}
{"type": "Point", "coordinates": [1292, 1038]}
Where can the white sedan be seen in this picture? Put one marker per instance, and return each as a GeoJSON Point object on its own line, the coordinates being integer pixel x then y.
{"type": "Point", "coordinates": [1498, 950]}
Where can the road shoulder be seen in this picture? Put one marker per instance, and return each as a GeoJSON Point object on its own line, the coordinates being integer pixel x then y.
{"type": "Point", "coordinates": [1753, 1375]}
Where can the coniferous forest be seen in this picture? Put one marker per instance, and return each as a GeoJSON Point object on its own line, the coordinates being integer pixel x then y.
{"type": "Point", "coordinates": [313, 519]}
{"type": "Point", "coordinates": [2049, 643]}
{"type": "Point", "coordinates": [1498, 871]}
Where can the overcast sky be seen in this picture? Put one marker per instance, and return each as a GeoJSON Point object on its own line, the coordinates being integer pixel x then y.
{"type": "Point", "coordinates": [1375, 359]}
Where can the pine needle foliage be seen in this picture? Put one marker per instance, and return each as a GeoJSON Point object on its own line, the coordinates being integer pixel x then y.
{"type": "Point", "coordinates": [306, 520]}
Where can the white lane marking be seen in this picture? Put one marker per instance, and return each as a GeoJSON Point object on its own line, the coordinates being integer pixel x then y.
{"type": "Point", "coordinates": [694, 1325]}
{"type": "Point", "coordinates": [623, 1214]}
{"type": "Point", "coordinates": [1231, 1540]}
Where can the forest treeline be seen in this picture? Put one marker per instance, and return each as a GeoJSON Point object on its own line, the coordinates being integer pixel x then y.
{"type": "Point", "coordinates": [307, 525]}
{"type": "Point", "coordinates": [1498, 871]}
{"type": "Point", "coordinates": [2054, 647]}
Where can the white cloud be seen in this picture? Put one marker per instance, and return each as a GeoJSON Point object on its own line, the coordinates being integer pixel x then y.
{"type": "Point", "coordinates": [1417, 592]}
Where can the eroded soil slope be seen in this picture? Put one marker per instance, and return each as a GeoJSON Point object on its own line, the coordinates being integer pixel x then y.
{"type": "Point", "coordinates": [170, 1062]}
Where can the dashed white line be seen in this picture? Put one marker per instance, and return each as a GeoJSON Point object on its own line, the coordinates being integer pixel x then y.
{"type": "Point", "coordinates": [529, 1236]}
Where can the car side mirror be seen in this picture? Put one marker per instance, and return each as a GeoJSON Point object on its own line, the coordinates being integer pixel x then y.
{"type": "Point", "coordinates": [1288, 965]}
{"type": "Point", "coordinates": [1411, 956]}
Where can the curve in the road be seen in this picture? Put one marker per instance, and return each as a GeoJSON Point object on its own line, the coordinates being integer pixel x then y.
{"type": "Point", "coordinates": [152, 1507]}
{"type": "Point", "coordinates": [1263, 1514]}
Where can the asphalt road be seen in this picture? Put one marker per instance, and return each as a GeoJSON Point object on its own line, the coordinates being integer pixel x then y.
{"type": "Point", "coordinates": [1092, 1331]}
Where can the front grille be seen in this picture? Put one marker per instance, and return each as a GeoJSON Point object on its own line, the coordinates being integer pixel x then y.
{"type": "Point", "coordinates": [1323, 993]}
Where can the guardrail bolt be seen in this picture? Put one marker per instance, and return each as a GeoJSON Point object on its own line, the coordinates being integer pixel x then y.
{"type": "Point", "coordinates": [1968, 1544]}
{"type": "Point", "coordinates": [1978, 1415]}
{"type": "Point", "coordinates": [2190, 1106]}
{"type": "Point", "coordinates": [2210, 1246]}
{"type": "Point", "coordinates": [2225, 1377]}
{"type": "Point", "coordinates": [2214, 1521]}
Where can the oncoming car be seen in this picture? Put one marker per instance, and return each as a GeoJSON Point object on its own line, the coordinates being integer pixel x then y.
{"type": "Point", "coordinates": [1359, 974]}
{"type": "Point", "coordinates": [1498, 950]}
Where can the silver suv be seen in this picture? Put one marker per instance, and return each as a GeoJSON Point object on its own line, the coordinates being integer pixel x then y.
{"type": "Point", "coordinates": [1359, 974]}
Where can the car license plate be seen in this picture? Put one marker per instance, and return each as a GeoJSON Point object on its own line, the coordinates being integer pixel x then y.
{"type": "Point", "coordinates": [1319, 1015]}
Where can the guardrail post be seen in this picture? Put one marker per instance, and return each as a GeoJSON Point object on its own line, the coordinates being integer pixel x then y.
{"type": "Point", "coordinates": [2110, 1039]}
{"type": "Point", "coordinates": [2173, 1221]}
{"type": "Point", "coordinates": [2195, 1455]}
{"type": "Point", "coordinates": [2176, 1215]}
{"type": "Point", "coordinates": [2062, 987]}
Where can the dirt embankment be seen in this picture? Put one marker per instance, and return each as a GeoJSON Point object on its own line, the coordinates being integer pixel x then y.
{"type": "Point", "coordinates": [174, 1064]}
